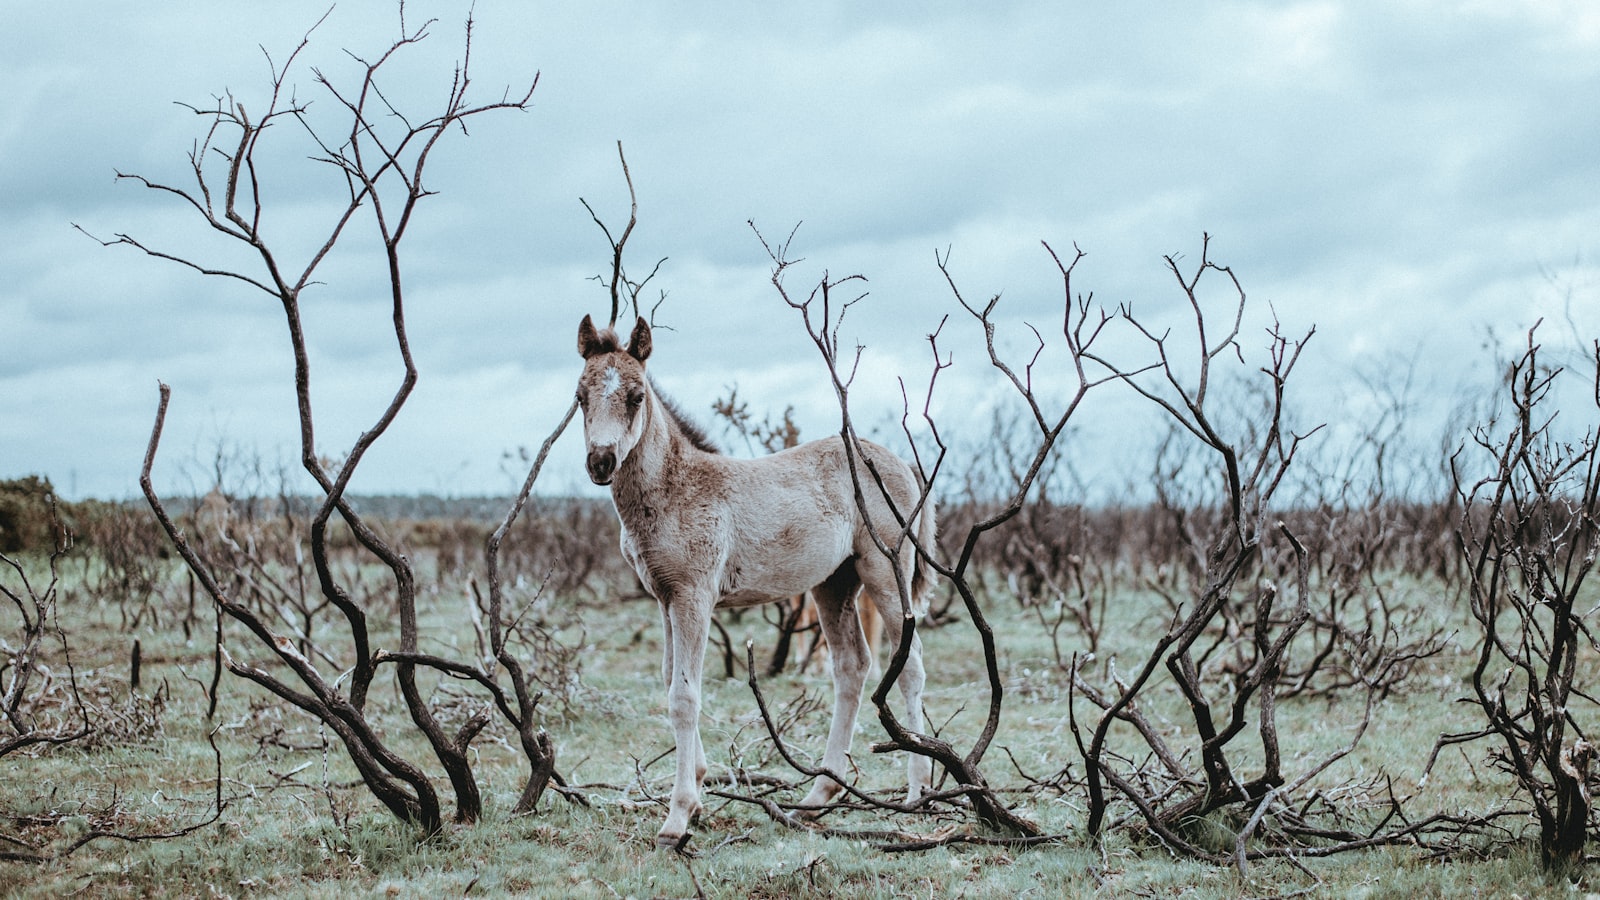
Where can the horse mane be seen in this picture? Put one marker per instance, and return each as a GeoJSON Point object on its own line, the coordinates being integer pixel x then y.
{"type": "Point", "coordinates": [687, 426]}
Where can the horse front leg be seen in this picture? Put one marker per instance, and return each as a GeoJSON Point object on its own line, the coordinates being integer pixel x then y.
{"type": "Point", "coordinates": [688, 620]}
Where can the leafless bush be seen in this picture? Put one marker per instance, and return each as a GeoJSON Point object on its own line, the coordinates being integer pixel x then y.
{"type": "Point", "coordinates": [770, 436]}
{"type": "Point", "coordinates": [43, 705]}
{"type": "Point", "coordinates": [1358, 514]}
{"type": "Point", "coordinates": [1366, 630]}
{"type": "Point", "coordinates": [555, 663]}
{"type": "Point", "coordinates": [1528, 534]}
{"type": "Point", "coordinates": [128, 563]}
{"type": "Point", "coordinates": [1376, 500]}
{"type": "Point", "coordinates": [378, 156]}
{"type": "Point", "coordinates": [39, 705]}
{"type": "Point", "coordinates": [1362, 637]}
{"type": "Point", "coordinates": [53, 836]}
{"type": "Point", "coordinates": [1227, 647]}
{"type": "Point", "coordinates": [264, 560]}
{"type": "Point", "coordinates": [1245, 476]}
{"type": "Point", "coordinates": [1056, 557]}
{"type": "Point", "coordinates": [568, 544]}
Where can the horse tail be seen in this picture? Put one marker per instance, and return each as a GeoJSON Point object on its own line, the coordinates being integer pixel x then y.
{"type": "Point", "coordinates": [922, 575]}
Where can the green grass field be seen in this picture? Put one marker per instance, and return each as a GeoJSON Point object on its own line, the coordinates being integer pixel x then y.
{"type": "Point", "coordinates": [298, 822]}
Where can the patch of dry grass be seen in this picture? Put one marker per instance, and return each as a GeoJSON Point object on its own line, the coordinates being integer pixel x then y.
{"type": "Point", "coordinates": [298, 822]}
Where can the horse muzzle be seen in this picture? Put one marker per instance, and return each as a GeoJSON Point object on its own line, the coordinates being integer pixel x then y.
{"type": "Point", "coordinates": [602, 465]}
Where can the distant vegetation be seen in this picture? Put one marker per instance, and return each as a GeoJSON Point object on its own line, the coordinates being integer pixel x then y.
{"type": "Point", "coordinates": [26, 520]}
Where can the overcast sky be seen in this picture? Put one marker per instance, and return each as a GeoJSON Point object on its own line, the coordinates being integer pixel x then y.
{"type": "Point", "coordinates": [1407, 177]}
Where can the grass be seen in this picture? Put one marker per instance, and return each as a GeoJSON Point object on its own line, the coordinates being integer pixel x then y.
{"type": "Point", "coordinates": [298, 823]}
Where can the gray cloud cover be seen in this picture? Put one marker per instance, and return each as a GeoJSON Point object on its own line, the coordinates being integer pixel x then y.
{"type": "Point", "coordinates": [1404, 176]}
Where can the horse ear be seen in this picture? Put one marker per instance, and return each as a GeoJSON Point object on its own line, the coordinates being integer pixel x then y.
{"type": "Point", "coordinates": [588, 338]}
{"type": "Point", "coordinates": [639, 342]}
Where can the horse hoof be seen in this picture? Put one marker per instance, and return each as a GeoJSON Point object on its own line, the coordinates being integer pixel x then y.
{"type": "Point", "coordinates": [813, 808]}
{"type": "Point", "coordinates": [673, 841]}
{"type": "Point", "coordinates": [818, 799]}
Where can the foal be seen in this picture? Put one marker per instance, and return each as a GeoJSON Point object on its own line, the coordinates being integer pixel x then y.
{"type": "Point", "coordinates": [706, 531]}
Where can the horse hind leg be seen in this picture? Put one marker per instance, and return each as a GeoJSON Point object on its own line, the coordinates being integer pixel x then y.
{"type": "Point", "coordinates": [666, 647]}
{"type": "Point", "coordinates": [872, 625]}
{"type": "Point", "coordinates": [885, 594]}
{"type": "Point", "coordinates": [836, 613]}
{"type": "Point", "coordinates": [805, 619]}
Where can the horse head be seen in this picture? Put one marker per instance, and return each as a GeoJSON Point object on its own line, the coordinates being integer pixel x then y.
{"type": "Point", "coordinates": [612, 391]}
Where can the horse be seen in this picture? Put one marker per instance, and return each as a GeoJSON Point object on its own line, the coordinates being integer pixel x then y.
{"type": "Point", "coordinates": [706, 531]}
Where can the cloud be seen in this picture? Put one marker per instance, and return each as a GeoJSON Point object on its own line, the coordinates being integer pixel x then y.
{"type": "Point", "coordinates": [1400, 175]}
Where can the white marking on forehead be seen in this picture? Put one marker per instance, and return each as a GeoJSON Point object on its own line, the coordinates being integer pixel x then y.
{"type": "Point", "coordinates": [610, 382]}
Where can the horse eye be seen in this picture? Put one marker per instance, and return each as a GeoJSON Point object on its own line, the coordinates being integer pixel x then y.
{"type": "Point", "coordinates": [634, 399]}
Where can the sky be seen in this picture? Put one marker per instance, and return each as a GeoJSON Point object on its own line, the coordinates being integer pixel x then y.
{"type": "Point", "coordinates": [1418, 182]}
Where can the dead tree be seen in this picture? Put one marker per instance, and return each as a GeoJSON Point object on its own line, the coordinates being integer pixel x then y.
{"type": "Point", "coordinates": [1529, 533]}
{"type": "Point", "coordinates": [377, 155]}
